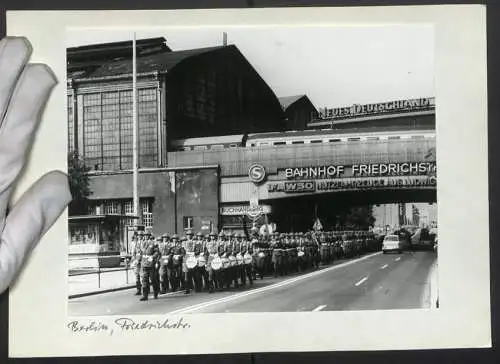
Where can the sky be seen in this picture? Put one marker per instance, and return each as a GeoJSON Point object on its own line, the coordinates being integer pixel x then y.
{"type": "Point", "coordinates": [333, 66]}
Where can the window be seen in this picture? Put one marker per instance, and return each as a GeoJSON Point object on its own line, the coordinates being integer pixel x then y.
{"type": "Point", "coordinates": [316, 141]}
{"type": "Point", "coordinates": [417, 137]}
{"type": "Point", "coordinates": [298, 142]}
{"type": "Point", "coordinates": [394, 137]}
{"type": "Point", "coordinates": [353, 139]}
{"type": "Point", "coordinates": [112, 207]}
{"type": "Point", "coordinates": [128, 207]}
{"type": "Point", "coordinates": [233, 145]}
{"type": "Point", "coordinates": [372, 138]}
{"type": "Point", "coordinates": [200, 147]}
{"type": "Point", "coordinates": [187, 148]}
{"type": "Point", "coordinates": [334, 140]}
{"type": "Point", "coordinates": [217, 146]}
{"type": "Point", "coordinates": [147, 213]}
{"type": "Point", "coordinates": [107, 119]}
{"type": "Point", "coordinates": [279, 143]}
{"type": "Point", "coordinates": [188, 222]}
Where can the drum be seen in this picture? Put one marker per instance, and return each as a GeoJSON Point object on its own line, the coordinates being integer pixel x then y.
{"type": "Point", "coordinates": [247, 259]}
{"type": "Point", "coordinates": [239, 259]}
{"type": "Point", "coordinates": [191, 261]}
{"type": "Point", "coordinates": [201, 261]}
{"type": "Point", "coordinates": [216, 263]}
{"type": "Point", "coordinates": [225, 263]}
{"type": "Point", "coordinates": [165, 259]}
{"type": "Point", "coordinates": [300, 253]}
{"type": "Point", "coordinates": [176, 259]}
{"type": "Point", "coordinates": [262, 255]}
{"type": "Point", "coordinates": [232, 260]}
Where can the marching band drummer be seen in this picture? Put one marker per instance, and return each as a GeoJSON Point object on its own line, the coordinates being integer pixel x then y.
{"type": "Point", "coordinates": [247, 254]}
{"type": "Point", "coordinates": [211, 252]}
{"type": "Point", "coordinates": [175, 269]}
{"type": "Point", "coordinates": [230, 271]}
{"type": "Point", "coordinates": [188, 246]}
{"type": "Point", "coordinates": [164, 249]}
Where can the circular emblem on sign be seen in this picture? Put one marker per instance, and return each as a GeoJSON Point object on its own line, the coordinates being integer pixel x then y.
{"type": "Point", "coordinates": [256, 173]}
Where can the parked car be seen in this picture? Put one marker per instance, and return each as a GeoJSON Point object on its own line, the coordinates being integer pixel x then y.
{"type": "Point", "coordinates": [393, 243]}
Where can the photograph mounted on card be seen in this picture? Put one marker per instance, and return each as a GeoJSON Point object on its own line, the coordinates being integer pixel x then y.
{"type": "Point", "coordinates": [252, 171]}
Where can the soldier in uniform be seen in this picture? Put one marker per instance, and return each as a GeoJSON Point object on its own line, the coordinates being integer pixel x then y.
{"type": "Point", "coordinates": [221, 248]}
{"type": "Point", "coordinates": [211, 251]}
{"type": "Point", "coordinates": [246, 248]}
{"type": "Point", "coordinates": [198, 270]}
{"type": "Point", "coordinates": [135, 253]}
{"type": "Point", "coordinates": [188, 246]}
{"type": "Point", "coordinates": [175, 264]}
{"type": "Point", "coordinates": [149, 263]}
{"type": "Point", "coordinates": [164, 250]}
{"type": "Point", "coordinates": [231, 270]}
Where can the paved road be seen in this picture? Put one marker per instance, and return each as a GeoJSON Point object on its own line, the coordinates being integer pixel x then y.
{"type": "Point", "coordinates": [376, 281]}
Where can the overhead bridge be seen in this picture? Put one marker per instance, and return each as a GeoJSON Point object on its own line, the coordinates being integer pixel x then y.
{"type": "Point", "coordinates": [367, 167]}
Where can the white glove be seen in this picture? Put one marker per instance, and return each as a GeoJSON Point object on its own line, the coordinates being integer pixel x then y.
{"type": "Point", "coordinates": [24, 91]}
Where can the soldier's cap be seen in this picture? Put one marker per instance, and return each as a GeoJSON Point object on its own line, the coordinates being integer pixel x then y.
{"type": "Point", "coordinates": [183, 238]}
{"type": "Point", "coordinates": [221, 234]}
{"type": "Point", "coordinates": [199, 234]}
{"type": "Point", "coordinates": [254, 240]}
{"type": "Point", "coordinates": [159, 238]}
{"type": "Point", "coordinates": [213, 234]}
{"type": "Point", "coordinates": [189, 232]}
{"type": "Point", "coordinates": [166, 236]}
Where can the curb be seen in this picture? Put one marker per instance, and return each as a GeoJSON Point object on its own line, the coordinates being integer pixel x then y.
{"type": "Point", "coordinates": [93, 293]}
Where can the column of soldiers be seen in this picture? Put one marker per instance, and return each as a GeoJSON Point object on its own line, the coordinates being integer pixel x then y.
{"type": "Point", "coordinates": [214, 262]}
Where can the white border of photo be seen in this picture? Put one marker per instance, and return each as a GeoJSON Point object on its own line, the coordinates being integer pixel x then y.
{"type": "Point", "coordinates": [38, 301]}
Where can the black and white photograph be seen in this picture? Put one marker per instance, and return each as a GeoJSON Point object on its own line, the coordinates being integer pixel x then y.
{"type": "Point", "coordinates": [252, 169]}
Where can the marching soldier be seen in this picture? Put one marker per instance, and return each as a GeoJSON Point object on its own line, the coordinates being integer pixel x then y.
{"type": "Point", "coordinates": [231, 270]}
{"type": "Point", "coordinates": [198, 270]}
{"type": "Point", "coordinates": [135, 253]}
{"type": "Point", "coordinates": [211, 251]}
{"type": "Point", "coordinates": [149, 261]}
{"type": "Point", "coordinates": [188, 272]}
{"type": "Point", "coordinates": [175, 265]}
{"type": "Point", "coordinates": [246, 250]}
{"type": "Point", "coordinates": [164, 251]}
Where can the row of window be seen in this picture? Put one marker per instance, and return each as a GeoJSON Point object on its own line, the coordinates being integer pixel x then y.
{"type": "Point", "coordinates": [124, 207]}
{"type": "Point", "coordinates": [334, 140]}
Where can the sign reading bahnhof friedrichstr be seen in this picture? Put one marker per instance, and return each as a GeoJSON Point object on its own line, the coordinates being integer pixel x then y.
{"type": "Point", "coordinates": [356, 176]}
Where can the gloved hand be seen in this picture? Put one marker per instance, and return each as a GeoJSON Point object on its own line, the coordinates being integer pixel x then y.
{"type": "Point", "coordinates": [24, 91]}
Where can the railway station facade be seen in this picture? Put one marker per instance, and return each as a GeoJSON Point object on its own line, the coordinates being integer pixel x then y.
{"type": "Point", "coordinates": [386, 151]}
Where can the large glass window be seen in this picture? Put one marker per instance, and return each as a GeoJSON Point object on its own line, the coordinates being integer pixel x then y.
{"type": "Point", "coordinates": [107, 118]}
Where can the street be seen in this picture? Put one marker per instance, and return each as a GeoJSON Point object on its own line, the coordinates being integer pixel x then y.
{"type": "Point", "coordinates": [372, 282]}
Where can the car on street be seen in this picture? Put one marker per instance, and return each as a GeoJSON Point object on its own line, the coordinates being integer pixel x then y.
{"type": "Point", "coordinates": [393, 243]}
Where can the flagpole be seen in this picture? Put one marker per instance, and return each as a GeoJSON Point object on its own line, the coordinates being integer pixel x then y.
{"type": "Point", "coordinates": [135, 159]}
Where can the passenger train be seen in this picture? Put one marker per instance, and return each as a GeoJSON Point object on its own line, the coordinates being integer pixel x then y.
{"type": "Point", "coordinates": [301, 137]}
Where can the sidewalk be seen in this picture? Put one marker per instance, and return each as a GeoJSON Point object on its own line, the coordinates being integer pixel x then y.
{"type": "Point", "coordinates": [110, 280]}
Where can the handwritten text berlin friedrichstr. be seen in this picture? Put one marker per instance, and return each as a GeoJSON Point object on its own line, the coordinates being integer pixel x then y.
{"type": "Point", "coordinates": [125, 324]}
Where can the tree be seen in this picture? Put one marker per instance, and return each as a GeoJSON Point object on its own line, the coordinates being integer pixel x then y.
{"type": "Point", "coordinates": [359, 218]}
{"type": "Point", "coordinates": [78, 183]}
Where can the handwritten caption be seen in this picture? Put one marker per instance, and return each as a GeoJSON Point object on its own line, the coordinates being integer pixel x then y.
{"type": "Point", "coordinates": [125, 324]}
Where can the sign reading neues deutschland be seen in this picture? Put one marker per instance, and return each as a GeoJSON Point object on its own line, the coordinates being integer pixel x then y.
{"type": "Point", "coordinates": [379, 108]}
{"type": "Point", "coordinates": [356, 176]}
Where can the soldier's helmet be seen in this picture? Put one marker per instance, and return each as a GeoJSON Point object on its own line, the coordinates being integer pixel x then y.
{"type": "Point", "coordinates": [183, 238]}
{"type": "Point", "coordinates": [199, 235]}
{"type": "Point", "coordinates": [213, 234]}
{"type": "Point", "coordinates": [254, 241]}
{"type": "Point", "coordinates": [189, 233]}
{"type": "Point", "coordinates": [221, 234]}
{"type": "Point", "coordinates": [175, 237]}
{"type": "Point", "coordinates": [159, 238]}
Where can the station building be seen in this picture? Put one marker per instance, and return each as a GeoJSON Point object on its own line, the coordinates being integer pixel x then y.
{"type": "Point", "coordinates": [202, 114]}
